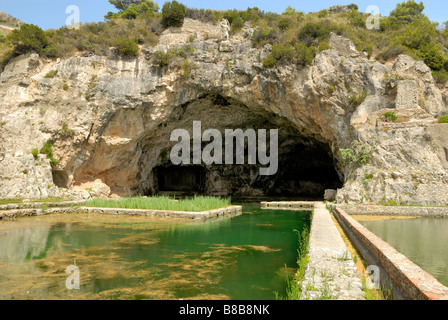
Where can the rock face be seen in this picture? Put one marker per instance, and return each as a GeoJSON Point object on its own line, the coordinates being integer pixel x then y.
{"type": "Point", "coordinates": [341, 9]}
{"type": "Point", "coordinates": [110, 120]}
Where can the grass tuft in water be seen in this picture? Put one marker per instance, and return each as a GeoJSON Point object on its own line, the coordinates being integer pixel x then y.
{"type": "Point", "coordinates": [196, 204]}
{"type": "Point", "coordinates": [294, 282]}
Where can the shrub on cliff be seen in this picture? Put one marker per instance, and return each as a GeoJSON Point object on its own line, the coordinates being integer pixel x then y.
{"type": "Point", "coordinates": [163, 59]}
{"type": "Point", "coordinates": [390, 117]}
{"type": "Point", "coordinates": [299, 54]}
{"type": "Point", "coordinates": [359, 154]}
{"type": "Point", "coordinates": [126, 46]}
{"type": "Point", "coordinates": [47, 149]}
{"type": "Point", "coordinates": [440, 76]}
{"type": "Point", "coordinates": [173, 14]}
{"type": "Point", "coordinates": [314, 32]}
{"type": "Point", "coordinates": [28, 38]}
{"type": "Point", "coordinates": [443, 118]}
{"type": "Point", "coordinates": [356, 98]}
{"type": "Point", "coordinates": [264, 36]}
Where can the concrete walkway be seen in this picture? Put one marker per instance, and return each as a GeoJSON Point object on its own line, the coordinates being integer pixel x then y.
{"type": "Point", "coordinates": [331, 273]}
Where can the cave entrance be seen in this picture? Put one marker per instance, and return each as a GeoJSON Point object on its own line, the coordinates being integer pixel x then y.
{"type": "Point", "coordinates": [180, 179]}
{"type": "Point", "coordinates": [141, 164]}
{"type": "Point", "coordinates": [306, 170]}
{"type": "Point", "coordinates": [306, 166]}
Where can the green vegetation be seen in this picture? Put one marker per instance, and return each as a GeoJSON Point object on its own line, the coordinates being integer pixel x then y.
{"type": "Point", "coordinates": [47, 149]}
{"type": "Point", "coordinates": [294, 283]}
{"type": "Point", "coordinates": [35, 153]}
{"type": "Point", "coordinates": [299, 54]}
{"type": "Point", "coordinates": [163, 59]}
{"type": "Point", "coordinates": [66, 131]}
{"type": "Point", "coordinates": [173, 14]}
{"type": "Point", "coordinates": [131, 9]}
{"type": "Point", "coordinates": [196, 204]}
{"type": "Point", "coordinates": [51, 74]}
{"type": "Point", "coordinates": [28, 38]}
{"type": "Point", "coordinates": [443, 118]}
{"type": "Point", "coordinates": [296, 37]}
{"type": "Point", "coordinates": [440, 76]}
{"type": "Point", "coordinates": [359, 154]}
{"type": "Point", "coordinates": [126, 46]}
{"type": "Point", "coordinates": [187, 67]}
{"type": "Point", "coordinates": [389, 203]}
{"type": "Point", "coordinates": [390, 117]}
{"type": "Point", "coordinates": [324, 46]}
{"type": "Point", "coordinates": [357, 97]}
{"type": "Point", "coordinates": [43, 200]}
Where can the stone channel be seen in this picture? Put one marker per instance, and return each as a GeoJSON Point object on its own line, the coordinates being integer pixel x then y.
{"type": "Point", "coordinates": [331, 273]}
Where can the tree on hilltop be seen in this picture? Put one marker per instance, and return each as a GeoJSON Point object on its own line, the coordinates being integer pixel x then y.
{"type": "Point", "coordinates": [122, 5]}
{"type": "Point", "coordinates": [131, 9]}
{"type": "Point", "coordinates": [173, 14]}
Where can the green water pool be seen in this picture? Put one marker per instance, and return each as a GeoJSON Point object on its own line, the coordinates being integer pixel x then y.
{"type": "Point", "coordinates": [423, 240]}
{"type": "Point", "coordinates": [123, 257]}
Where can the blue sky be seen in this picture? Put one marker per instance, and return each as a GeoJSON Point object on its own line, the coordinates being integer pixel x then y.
{"type": "Point", "coordinates": [51, 13]}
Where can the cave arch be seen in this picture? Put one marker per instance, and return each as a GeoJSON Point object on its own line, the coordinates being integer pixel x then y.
{"type": "Point", "coordinates": [132, 157]}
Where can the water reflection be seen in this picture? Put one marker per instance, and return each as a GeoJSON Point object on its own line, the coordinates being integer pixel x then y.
{"type": "Point", "coordinates": [242, 257]}
{"type": "Point", "coordinates": [20, 245]}
{"type": "Point", "coordinates": [422, 240]}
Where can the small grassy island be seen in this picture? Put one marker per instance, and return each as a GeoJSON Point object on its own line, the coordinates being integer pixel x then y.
{"type": "Point", "coordinates": [196, 204]}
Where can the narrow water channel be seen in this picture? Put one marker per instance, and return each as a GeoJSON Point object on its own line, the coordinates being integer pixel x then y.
{"type": "Point", "coordinates": [423, 240]}
{"type": "Point", "coordinates": [243, 257]}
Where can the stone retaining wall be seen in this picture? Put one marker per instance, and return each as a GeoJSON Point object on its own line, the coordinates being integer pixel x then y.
{"type": "Point", "coordinates": [302, 205]}
{"type": "Point", "coordinates": [36, 205]}
{"type": "Point", "coordinates": [408, 280]}
{"type": "Point", "coordinates": [231, 210]}
{"type": "Point", "coordinates": [395, 210]}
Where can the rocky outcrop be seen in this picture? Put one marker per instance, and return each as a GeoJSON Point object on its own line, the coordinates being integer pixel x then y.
{"type": "Point", "coordinates": [110, 119]}
{"type": "Point", "coordinates": [341, 9]}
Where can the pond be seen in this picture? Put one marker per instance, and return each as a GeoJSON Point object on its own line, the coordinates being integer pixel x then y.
{"type": "Point", "coordinates": [127, 257]}
{"type": "Point", "coordinates": [423, 240]}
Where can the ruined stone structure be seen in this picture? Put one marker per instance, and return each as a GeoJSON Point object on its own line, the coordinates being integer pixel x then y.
{"type": "Point", "coordinates": [407, 94]}
{"type": "Point", "coordinates": [111, 128]}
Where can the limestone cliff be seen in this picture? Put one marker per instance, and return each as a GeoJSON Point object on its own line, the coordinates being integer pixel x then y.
{"type": "Point", "coordinates": [110, 120]}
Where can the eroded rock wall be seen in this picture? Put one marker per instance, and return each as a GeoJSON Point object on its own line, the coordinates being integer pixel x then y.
{"type": "Point", "coordinates": [110, 118]}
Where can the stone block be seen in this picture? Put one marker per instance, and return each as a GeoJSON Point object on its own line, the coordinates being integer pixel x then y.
{"type": "Point", "coordinates": [225, 46]}
{"type": "Point", "coordinates": [407, 94]}
{"type": "Point", "coordinates": [330, 194]}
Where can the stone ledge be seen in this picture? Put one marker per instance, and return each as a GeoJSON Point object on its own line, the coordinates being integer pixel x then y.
{"type": "Point", "coordinates": [409, 281]}
{"type": "Point", "coordinates": [331, 264]}
{"type": "Point", "coordinates": [166, 213]}
{"type": "Point", "coordinates": [231, 210]}
{"type": "Point", "coordinates": [36, 205]}
{"type": "Point", "coordinates": [291, 205]}
{"type": "Point", "coordinates": [395, 210]}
